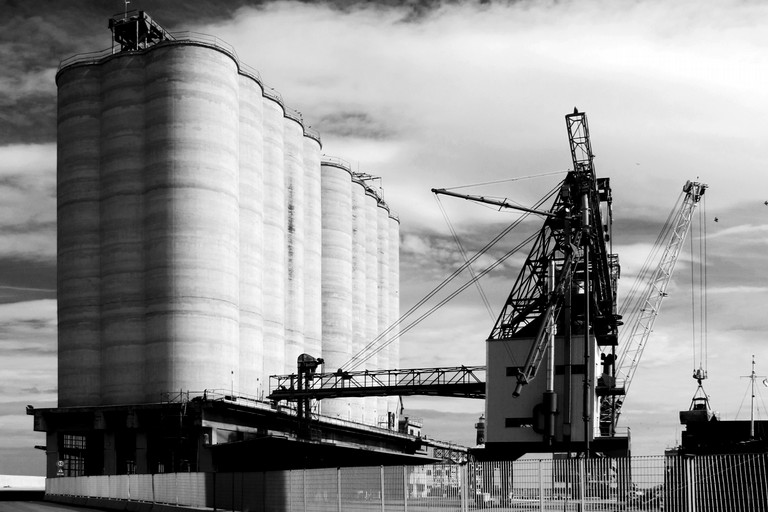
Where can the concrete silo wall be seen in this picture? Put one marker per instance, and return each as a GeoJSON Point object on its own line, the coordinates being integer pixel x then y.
{"type": "Point", "coordinates": [382, 297]}
{"type": "Point", "coordinates": [251, 238]}
{"type": "Point", "coordinates": [313, 323]}
{"type": "Point", "coordinates": [293, 144]}
{"type": "Point", "coordinates": [274, 240]}
{"type": "Point", "coordinates": [394, 300]}
{"type": "Point", "coordinates": [336, 194]}
{"type": "Point", "coordinates": [78, 239]}
{"type": "Point", "coordinates": [201, 243]}
{"type": "Point", "coordinates": [359, 337]}
{"type": "Point", "coordinates": [121, 199]}
{"type": "Point", "coordinates": [372, 327]}
{"type": "Point", "coordinates": [192, 219]}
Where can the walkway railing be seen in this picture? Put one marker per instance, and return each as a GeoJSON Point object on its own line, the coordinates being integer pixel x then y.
{"type": "Point", "coordinates": [669, 484]}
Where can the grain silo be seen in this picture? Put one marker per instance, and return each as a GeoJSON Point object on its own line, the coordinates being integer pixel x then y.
{"type": "Point", "coordinates": [202, 245]}
{"type": "Point", "coordinates": [359, 337]}
{"type": "Point", "coordinates": [337, 273]}
{"type": "Point", "coordinates": [382, 298]}
{"type": "Point", "coordinates": [251, 234]}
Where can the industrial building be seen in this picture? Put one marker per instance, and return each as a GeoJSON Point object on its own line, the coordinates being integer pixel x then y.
{"type": "Point", "coordinates": [204, 244]}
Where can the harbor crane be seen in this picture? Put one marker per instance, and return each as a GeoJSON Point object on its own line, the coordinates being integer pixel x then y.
{"type": "Point", "coordinates": [560, 312]}
{"type": "Point", "coordinates": [640, 327]}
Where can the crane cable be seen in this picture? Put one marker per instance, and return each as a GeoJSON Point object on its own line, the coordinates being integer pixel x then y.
{"type": "Point", "coordinates": [381, 346]}
{"type": "Point", "coordinates": [632, 307]}
{"type": "Point", "coordinates": [363, 354]}
{"type": "Point", "coordinates": [480, 290]}
{"type": "Point", "coordinates": [631, 302]}
{"type": "Point", "coordinates": [702, 281]}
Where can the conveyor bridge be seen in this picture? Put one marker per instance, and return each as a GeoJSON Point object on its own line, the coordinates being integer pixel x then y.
{"type": "Point", "coordinates": [459, 381]}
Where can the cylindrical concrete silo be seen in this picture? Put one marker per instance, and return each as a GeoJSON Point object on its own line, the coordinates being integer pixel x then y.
{"type": "Point", "coordinates": [192, 218]}
{"type": "Point", "coordinates": [371, 295]}
{"type": "Point", "coordinates": [336, 200]}
{"type": "Point", "coordinates": [122, 230]}
{"type": "Point", "coordinates": [394, 299]}
{"type": "Point", "coordinates": [313, 303]}
{"type": "Point", "coordinates": [293, 150]}
{"type": "Point", "coordinates": [382, 231]}
{"type": "Point", "coordinates": [274, 239]}
{"type": "Point", "coordinates": [359, 338]}
{"type": "Point", "coordinates": [251, 380]}
{"type": "Point", "coordinates": [78, 251]}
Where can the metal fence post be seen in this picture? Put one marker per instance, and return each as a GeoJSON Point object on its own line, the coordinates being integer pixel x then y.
{"type": "Point", "coordinates": [338, 486]}
{"type": "Point", "coordinates": [464, 487]}
{"type": "Point", "coordinates": [405, 488]}
{"type": "Point", "coordinates": [541, 488]}
{"type": "Point", "coordinates": [689, 483]}
{"type": "Point", "coordinates": [381, 473]}
{"type": "Point", "coordinates": [582, 483]}
{"type": "Point", "coordinates": [213, 476]}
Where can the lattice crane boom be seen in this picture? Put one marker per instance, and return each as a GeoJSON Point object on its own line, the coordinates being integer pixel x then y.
{"type": "Point", "coordinates": [641, 329]}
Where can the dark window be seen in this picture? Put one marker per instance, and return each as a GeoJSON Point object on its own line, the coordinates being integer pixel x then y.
{"type": "Point", "coordinates": [73, 454]}
{"type": "Point", "coordinates": [518, 422]}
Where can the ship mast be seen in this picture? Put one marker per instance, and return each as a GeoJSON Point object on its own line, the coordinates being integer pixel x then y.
{"type": "Point", "coordinates": [752, 377]}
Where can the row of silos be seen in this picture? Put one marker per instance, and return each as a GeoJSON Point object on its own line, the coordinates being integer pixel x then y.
{"type": "Point", "coordinates": [193, 247]}
{"type": "Point", "coordinates": [360, 293]}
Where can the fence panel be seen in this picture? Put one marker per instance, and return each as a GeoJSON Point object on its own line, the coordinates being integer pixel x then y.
{"type": "Point", "coordinates": [394, 489]}
{"type": "Point", "coordinates": [141, 487]}
{"type": "Point", "coordinates": [253, 491]}
{"type": "Point", "coordinates": [277, 487]}
{"type": "Point", "coordinates": [98, 486]}
{"type": "Point", "coordinates": [224, 489]}
{"type": "Point", "coordinates": [321, 490]}
{"type": "Point", "coordinates": [433, 487]}
{"type": "Point", "coordinates": [118, 487]}
{"type": "Point", "coordinates": [164, 485]}
{"type": "Point", "coordinates": [296, 494]}
{"type": "Point", "coordinates": [194, 489]}
{"type": "Point", "coordinates": [360, 489]}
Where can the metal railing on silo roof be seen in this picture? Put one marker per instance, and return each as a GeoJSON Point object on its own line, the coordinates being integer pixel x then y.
{"type": "Point", "coordinates": [312, 134]}
{"type": "Point", "coordinates": [184, 37]}
{"type": "Point", "coordinates": [294, 114]}
{"type": "Point", "coordinates": [336, 161]}
{"type": "Point", "coordinates": [178, 37]}
{"type": "Point", "coordinates": [207, 40]}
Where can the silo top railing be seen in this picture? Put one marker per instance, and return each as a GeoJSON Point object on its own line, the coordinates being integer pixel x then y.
{"type": "Point", "coordinates": [198, 38]}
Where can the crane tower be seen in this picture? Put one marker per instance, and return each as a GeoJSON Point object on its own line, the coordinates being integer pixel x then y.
{"type": "Point", "coordinates": [561, 309]}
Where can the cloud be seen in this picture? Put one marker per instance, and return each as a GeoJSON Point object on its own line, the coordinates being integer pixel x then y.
{"type": "Point", "coordinates": [353, 124]}
{"type": "Point", "coordinates": [28, 208]}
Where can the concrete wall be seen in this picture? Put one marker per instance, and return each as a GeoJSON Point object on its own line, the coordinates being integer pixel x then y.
{"type": "Point", "coordinates": [383, 291]}
{"type": "Point", "coordinates": [251, 162]}
{"type": "Point", "coordinates": [336, 274]}
{"type": "Point", "coordinates": [78, 238]}
{"type": "Point", "coordinates": [372, 327]}
{"type": "Point", "coordinates": [192, 220]}
{"type": "Point", "coordinates": [359, 339]}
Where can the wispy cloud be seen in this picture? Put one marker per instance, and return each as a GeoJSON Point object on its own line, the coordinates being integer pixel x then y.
{"type": "Point", "coordinates": [28, 209]}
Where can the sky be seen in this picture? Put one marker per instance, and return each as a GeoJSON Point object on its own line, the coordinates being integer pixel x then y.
{"type": "Point", "coordinates": [445, 94]}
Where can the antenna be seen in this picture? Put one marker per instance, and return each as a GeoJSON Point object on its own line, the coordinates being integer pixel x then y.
{"type": "Point", "coordinates": [752, 377]}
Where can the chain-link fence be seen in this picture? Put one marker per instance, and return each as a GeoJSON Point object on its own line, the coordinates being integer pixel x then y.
{"type": "Point", "coordinates": [677, 484]}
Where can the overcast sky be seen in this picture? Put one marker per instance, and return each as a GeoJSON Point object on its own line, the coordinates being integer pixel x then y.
{"type": "Point", "coordinates": [431, 94]}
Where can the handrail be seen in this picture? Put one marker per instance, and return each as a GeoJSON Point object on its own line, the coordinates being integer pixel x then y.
{"type": "Point", "coordinates": [336, 161]}
{"type": "Point", "coordinates": [207, 40]}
